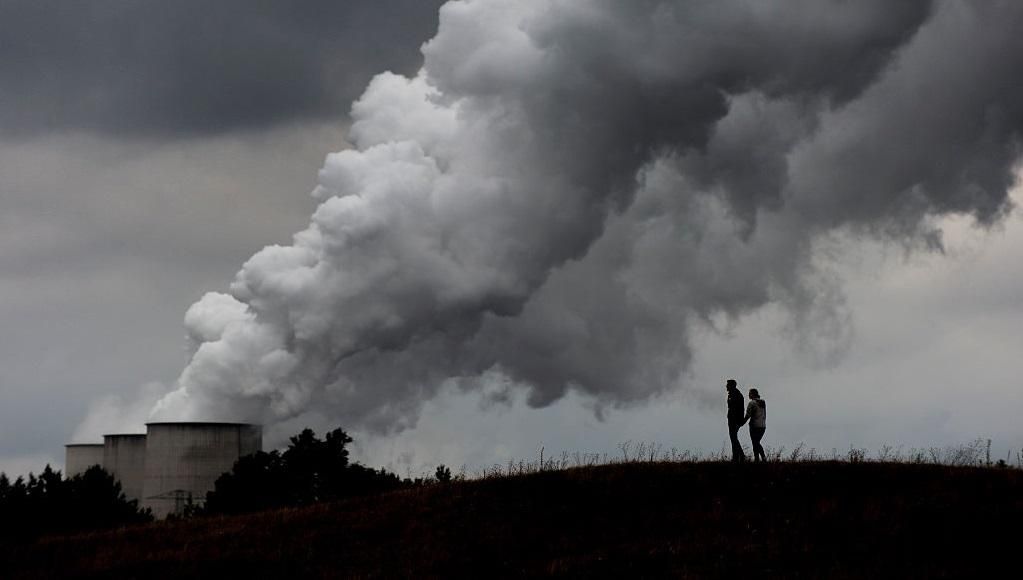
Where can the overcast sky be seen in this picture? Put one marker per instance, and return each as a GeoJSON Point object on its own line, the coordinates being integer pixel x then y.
{"type": "Point", "coordinates": [148, 149]}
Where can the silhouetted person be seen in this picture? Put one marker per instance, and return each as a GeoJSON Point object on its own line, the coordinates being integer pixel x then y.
{"type": "Point", "coordinates": [756, 414]}
{"type": "Point", "coordinates": [735, 419]}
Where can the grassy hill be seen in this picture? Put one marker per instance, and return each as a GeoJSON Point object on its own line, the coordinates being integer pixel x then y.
{"type": "Point", "coordinates": [712, 519]}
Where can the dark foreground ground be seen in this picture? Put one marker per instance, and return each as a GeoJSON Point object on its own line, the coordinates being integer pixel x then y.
{"type": "Point", "coordinates": [786, 520]}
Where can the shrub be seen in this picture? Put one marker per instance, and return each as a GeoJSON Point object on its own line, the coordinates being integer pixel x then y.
{"type": "Point", "coordinates": [443, 474]}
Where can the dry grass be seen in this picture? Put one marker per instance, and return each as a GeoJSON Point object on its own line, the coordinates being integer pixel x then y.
{"type": "Point", "coordinates": [973, 454]}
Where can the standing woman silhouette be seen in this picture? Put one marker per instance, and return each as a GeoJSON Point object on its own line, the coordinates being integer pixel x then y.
{"type": "Point", "coordinates": [756, 414]}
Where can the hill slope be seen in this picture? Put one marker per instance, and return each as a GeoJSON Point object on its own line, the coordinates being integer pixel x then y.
{"type": "Point", "coordinates": [826, 519]}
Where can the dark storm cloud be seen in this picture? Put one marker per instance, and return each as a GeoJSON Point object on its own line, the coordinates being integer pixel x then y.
{"type": "Point", "coordinates": [153, 67]}
{"type": "Point", "coordinates": [940, 134]}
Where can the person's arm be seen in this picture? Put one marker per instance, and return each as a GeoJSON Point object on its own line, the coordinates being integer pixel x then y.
{"type": "Point", "coordinates": [749, 412]}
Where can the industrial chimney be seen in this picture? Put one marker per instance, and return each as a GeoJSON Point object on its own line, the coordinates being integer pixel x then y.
{"type": "Point", "coordinates": [184, 460]}
{"type": "Point", "coordinates": [124, 457]}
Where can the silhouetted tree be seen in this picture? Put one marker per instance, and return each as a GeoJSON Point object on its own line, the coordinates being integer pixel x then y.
{"type": "Point", "coordinates": [97, 501]}
{"type": "Point", "coordinates": [316, 468]}
{"type": "Point", "coordinates": [257, 482]}
{"type": "Point", "coordinates": [48, 503]}
{"type": "Point", "coordinates": [309, 470]}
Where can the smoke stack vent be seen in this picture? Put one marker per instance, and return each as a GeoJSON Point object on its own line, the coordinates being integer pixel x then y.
{"type": "Point", "coordinates": [82, 456]}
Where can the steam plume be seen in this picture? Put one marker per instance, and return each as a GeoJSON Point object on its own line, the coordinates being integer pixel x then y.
{"type": "Point", "coordinates": [568, 187]}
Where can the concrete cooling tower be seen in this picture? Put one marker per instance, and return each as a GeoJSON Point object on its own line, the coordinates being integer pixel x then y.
{"type": "Point", "coordinates": [81, 456]}
{"type": "Point", "coordinates": [184, 460]}
{"type": "Point", "coordinates": [124, 457]}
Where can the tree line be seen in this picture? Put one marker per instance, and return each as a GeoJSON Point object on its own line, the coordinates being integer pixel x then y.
{"type": "Point", "coordinates": [52, 504]}
{"type": "Point", "coordinates": [308, 471]}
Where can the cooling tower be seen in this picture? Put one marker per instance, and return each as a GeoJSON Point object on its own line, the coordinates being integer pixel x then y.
{"type": "Point", "coordinates": [81, 456]}
{"type": "Point", "coordinates": [184, 460]}
{"type": "Point", "coordinates": [124, 457]}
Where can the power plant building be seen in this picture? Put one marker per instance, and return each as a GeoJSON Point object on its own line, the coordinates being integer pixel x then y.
{"type": "Point", "coordinates": [184, 460]}
{"type": "Point", "coordinates": [124, 457]}
{"type": "Point", "coordinates": [173, 465]}
{"type": "Point", "coordinates": [79, 457]}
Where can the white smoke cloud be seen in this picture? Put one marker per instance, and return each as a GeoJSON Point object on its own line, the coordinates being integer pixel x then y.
{"type": "Point", "coordinates": [115, 414]}
{"type": "Point", "coordinates": [567, 190]}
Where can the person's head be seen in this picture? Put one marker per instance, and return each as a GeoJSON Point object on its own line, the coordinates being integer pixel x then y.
{"type": "Point", "coordinates": [754, 394]}
{"type": "Point", "coordinates": [730, 384]}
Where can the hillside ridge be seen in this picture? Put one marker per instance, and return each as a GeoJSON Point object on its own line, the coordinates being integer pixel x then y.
{"type": "Point", "coordinates": [707, 519]}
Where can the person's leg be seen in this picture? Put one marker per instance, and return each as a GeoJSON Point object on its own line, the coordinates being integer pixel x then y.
{"type": "Point", "coordinates": [763, 455]}
{"type": "Point", "coordinates": [737, 454]}
{"type": "Point", "coordinates": [756, 434]}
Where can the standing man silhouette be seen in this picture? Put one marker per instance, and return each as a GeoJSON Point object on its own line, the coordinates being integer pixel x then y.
{"type": "Point", "coordinates": [736, 414]}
